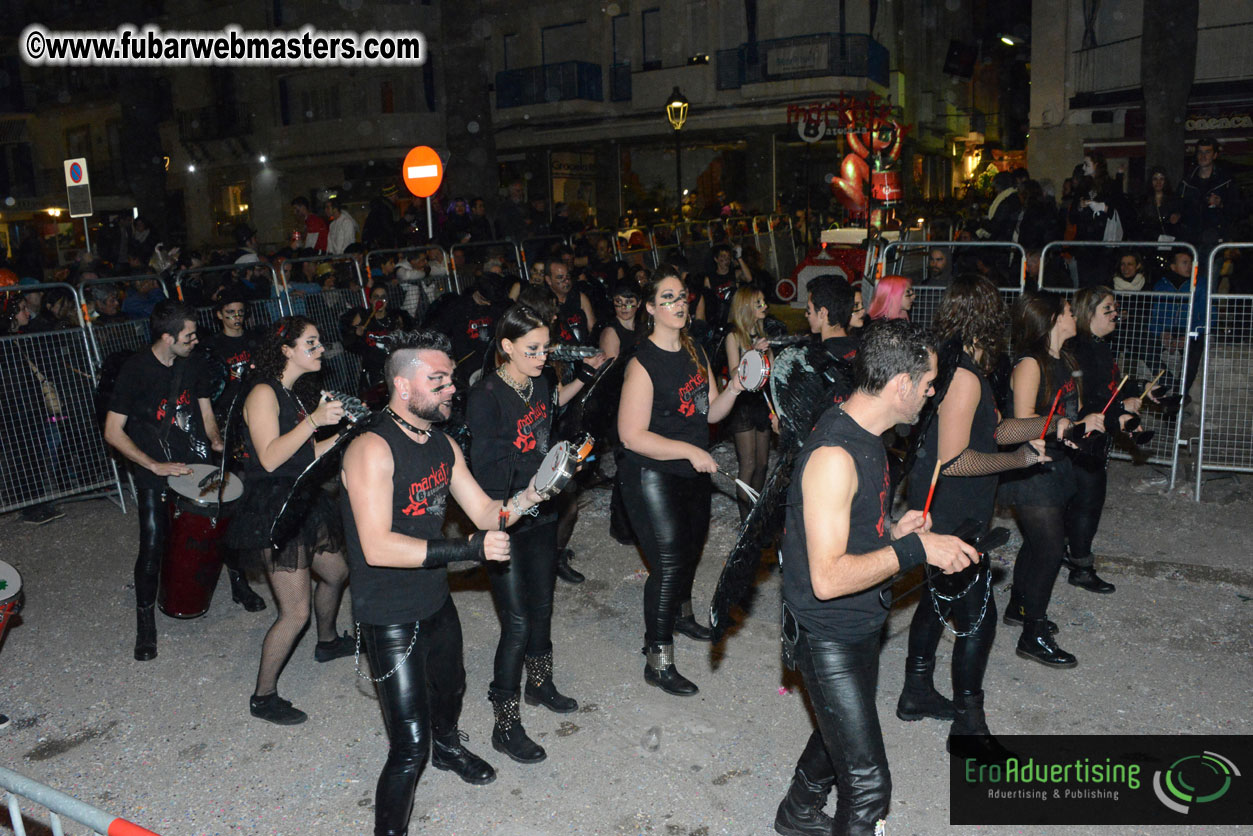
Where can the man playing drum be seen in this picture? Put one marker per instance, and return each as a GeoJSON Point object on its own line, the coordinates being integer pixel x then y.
{"type": "Point", "coordinates": [161, 419]}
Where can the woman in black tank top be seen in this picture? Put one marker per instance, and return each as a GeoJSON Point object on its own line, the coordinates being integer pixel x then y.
{"type": "Point", "coordinates": [669, 399]}
{"type": "Point", "coordinates": [619, 337]}
{"type": "Point", "coordinates": [1043, 376]}
{"type": "Point", "coordinates": [280, 438]}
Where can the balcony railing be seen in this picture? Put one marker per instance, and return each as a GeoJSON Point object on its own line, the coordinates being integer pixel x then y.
{"type": "Point", "coordinates": [548, 83]}
{"type": "Point", "coordinates": [1222, 54]}
{"type": "Point", "coordinates": [804, 56]}
{"type": "Point", "coordinates": [213, 122]}
{"type": "Point", "coordinates": [620, 82]}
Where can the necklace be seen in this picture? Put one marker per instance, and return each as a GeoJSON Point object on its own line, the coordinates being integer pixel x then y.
{"type": "Point", "coordinates": [410, 427]}
{"type": "Point", "coordinates": [523, 393]}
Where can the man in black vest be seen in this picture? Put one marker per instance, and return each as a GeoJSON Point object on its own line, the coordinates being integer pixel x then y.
{"type": "Point", "coordinates": [840, 550]}
{"type": "Point", "coordinates": [397, 479]}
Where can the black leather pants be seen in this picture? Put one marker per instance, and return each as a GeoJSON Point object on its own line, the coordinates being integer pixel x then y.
{"type": "Point", "coordinates": [523, 592]}
{"type": "Point", "coordinates": [847, 747]}
{"type": "Point", "coordinates": [421, 700]}
{"type": "Point", "coordinates": [970, 653]}
{"type": "Point", "coordinates": [154, 531]}
{"type": "Point", "coordinates": [670, 517]}
{"type": "Point", "coordinates": [1083, 512]}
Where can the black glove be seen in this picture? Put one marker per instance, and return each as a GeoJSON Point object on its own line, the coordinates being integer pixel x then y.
{"type": "Point", "coordinates": [443, 551]}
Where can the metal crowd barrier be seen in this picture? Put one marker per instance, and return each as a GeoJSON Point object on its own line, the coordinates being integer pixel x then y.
{"type": "Point", "coordinates": [538, 248]}
{"type": "Point", "coordinates": [460, 259]}
{"type": "Point", "coordinates": [783, 237]}
{"type": "Point", "coordinates": [636, 255]}
{"type": "Point", "coordinates": [882, 268]}
{"type": "Point", "coordinates": [59, 805]}
{"type": "Point", "coordinates": [131, 335]}
{"type": "Point", "coordinates": [1137, 246]}
{"type": "Point", "coordinates": [419, 293]}
{"type": "Point", "coordinates": [1225, 440]}
{"type": "Point", "coordinates": [257, 312]}
{"type": "Point", "coordinates": [52, 443]}
{"type": "Point", "coordinates": [341, 369]}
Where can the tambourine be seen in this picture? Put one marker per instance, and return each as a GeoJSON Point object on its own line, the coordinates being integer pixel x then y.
{"type": "Point", "coordinates": [558, 467]}
{"type": "Point", "coordinates": [754, 370]}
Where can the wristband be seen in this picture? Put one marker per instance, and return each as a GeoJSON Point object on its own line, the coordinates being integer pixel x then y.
{"type": "Point", "coordinates": [311, 421]}
{"type": "Point", "coordinates": [909, 552]}
{"type": "Point", "coordinates": [584, 373]}
{"type": "Point", "coordinates": [442, 551]}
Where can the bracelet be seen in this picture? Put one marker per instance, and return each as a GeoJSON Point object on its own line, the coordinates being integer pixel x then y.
{"type": "Point", "coordinates": [533, 511]}
{"type": "Point", "coordinates": [909, 552]}
{"type": "Point", "coordinates": [311, 421]}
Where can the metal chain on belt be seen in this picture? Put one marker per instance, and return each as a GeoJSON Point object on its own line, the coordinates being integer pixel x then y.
{"type": "Point", "coordinates": [357, 658]}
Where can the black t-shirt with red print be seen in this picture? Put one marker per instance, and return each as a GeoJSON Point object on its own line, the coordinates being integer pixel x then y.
{"type": "Point", "coordinates": [572, 328]}
{"type": "Point", "coordinates": [421, 480]}
{"type": "Point", "coordinates": [471, 327]}
{"type": "Point", "coordinates": [508, 435]}
{"type": "Point", "coordinates": [142, 394]}
{"type": "Point", "coordinates": [680, 402]}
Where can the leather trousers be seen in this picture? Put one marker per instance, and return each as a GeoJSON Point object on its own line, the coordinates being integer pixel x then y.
{"type": "Point", "coordinates": [970, 653]}
{"type": "Point", "coordinates": [420, 701]}
{"type": "Point", "coordinates": [522, 590]}
{"type": "Point", "coordinates": [670, 517]}
{"type": "Point", "coordinates": [154, 532]}
{"type": "Point", "coordinates": [847, 747]}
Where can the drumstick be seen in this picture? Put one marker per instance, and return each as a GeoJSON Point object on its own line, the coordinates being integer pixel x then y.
{"type": "Point", "coordinates": [1152, 383]}
{"type": "Point", "coordinates": [935, 477]}
{"type": "Point", "coordinates": [765, 390]}
{"type": "Point", "coordinates": [752, 494]}
{"type": "Point", "coordinates": [1049, 419]}
{"type": "Point", "coordinates": [1116, 391]}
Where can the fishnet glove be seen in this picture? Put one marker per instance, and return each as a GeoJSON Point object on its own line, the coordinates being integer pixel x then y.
{"type": "Point", "coordinates": [973, 463]}
{"type": "Point", "coordinates": [1018, 430]}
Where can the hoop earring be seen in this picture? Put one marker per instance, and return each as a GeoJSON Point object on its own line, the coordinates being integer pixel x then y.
{"type": "Point", "coordinates": [404, 396]}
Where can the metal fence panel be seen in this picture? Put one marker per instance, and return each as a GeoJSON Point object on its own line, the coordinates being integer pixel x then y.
{"type": "Point", "coordinates": [59, 804]}
{"type": "Point", "coordinates": [783, 244]}
{"type": "Point", "coordinates": [53, 447]}
{"type": "Point", "coordinates": [341, 369]}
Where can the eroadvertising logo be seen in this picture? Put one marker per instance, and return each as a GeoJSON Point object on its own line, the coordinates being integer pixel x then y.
{"type": "Point", "coordinates": [1102, 779]}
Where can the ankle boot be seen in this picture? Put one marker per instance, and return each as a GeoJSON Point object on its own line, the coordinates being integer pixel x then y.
{"type": "Point", "coordinates": [508, 736]}
{"type": "Point", "coordinates": [687, 624]}
{"type": "Point", "coordinates": [242, 594]}
{"type": "Point", "coordinates": [565, 571]}
{"type": "Point", "coordinates": [969, 736]}
{"type": "Point", "coordinates": [145, 633]}
{"type": "Point", "coordinates": [1037, 644]}
{"type": "Point", "coordinates": [800, 811]}
{"type": "Point", "coordinates": [660, 671]}
{"type": "Point", "coordinates": [1014, 614]}
{"type": "Point", "coordinates": [1085, 577]}
{"type": "Point", "coordinates": [540, 689]}
{"type": "Point", "coordinates": [919, 698]}
{"type": "Point", "coordinates": [449, 754]}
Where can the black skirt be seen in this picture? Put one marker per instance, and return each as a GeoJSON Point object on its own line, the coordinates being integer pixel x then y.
{"type": "Point", "coordinates": [320, 531]}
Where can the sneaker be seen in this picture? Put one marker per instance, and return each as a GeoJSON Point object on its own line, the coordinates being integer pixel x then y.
{"type": "Point", "coordinates": [4, 721]}
{"type": "Point", "coordinates": [42, 514]}
{"type": "Point", "coordinates": [274, 709]}
{"type": "Point", "coordinates": [336, 648]}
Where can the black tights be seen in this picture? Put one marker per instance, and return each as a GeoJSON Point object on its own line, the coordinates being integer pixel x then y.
{"type": "Point", "coordinates": [523, 592]}
{"type": "Point", "coordinates": [154, 531]}
{"type": "Point", "coordinates": [752, 450]}
{"type": "Point", "coordinates": [970, 653]}
{"type": "Point", "coordinates": [291, 595]}
{"type": "Point", "coordinates": [420, 701]}
{"type": "Point", "coordinates": [1040, 558]}
{"type": "Point", "coordinates": [1083, 513]}
{"type": "Point", "coordinates": [670, 517]}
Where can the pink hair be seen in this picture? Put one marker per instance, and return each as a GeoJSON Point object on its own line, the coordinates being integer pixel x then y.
{"type": "Point", "coordinates": [888, 294]}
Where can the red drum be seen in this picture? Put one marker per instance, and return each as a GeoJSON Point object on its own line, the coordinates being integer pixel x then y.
{"type": "Point", "coordinates": [192, 562]}
{"type": "Point", "coordinates": [754, 370]}
{"type": "Point", "coordinates": [10, 590]}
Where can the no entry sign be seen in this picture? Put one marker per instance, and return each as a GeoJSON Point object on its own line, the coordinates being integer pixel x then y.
{"type": "Point", "coordinates": [422, 171]}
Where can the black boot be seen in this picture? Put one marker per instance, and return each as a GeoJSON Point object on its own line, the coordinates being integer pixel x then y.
{"type": "Point", "coordinates": [800, 811]}
{"type": "Point", "coordinates": [242, 594]}
{"type": "Point", "coordinates": [540, 689]}
{"type": "Point", "coordinates": [508, 736]}
{"type": "Point", "coordinates": [969, 736]}
{"type": "Point", "coordinates": [1014, 614]}
{"type": "Point", "coordinates": [1085, 577]}
{"type": "Point", "coordinates": [687, 624]}
{"type": "Point", "coordinates": [1037, 644]}
{"type": "Point", "coordinates": [919, 699]}
{"type": "Point", "coordinates": [448, 754]}
{"type": "Point", "coordinates": [145, 633]}
{"type": "Point", "coordinates": [565, 571]}
{"type": "Point", "coordinates": [660, 671]}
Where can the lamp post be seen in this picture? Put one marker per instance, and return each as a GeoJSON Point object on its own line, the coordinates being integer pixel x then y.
{"type": "Point", "coordinates": [676, 114]}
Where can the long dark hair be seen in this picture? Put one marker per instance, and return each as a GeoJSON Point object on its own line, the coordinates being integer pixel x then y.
{"type": "Point", "coordinates": [1034, 318]}
{"type": "Point", "coordinates": [269, 361]}
{"type": "Point", "coordinates": [972, 311]}
{"type": "Point", "coordinates": [667, 271]}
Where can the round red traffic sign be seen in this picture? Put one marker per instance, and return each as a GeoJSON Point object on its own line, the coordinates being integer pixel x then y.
{"type": "Point", "coordinates": [76, 172]}
{"type": "Point", "coordinates": [422, 171]}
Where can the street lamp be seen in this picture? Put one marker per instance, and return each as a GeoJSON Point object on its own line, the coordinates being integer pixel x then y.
{"type": "Point", "coordinates": [676, 114]}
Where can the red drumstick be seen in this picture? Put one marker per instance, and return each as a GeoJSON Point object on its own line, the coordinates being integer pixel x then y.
{"type": "Point", "coordinates": [1116, 391]}
{"type": "Point", "coordinates": [1049, 419]}
{"type": "Point", "coordinates": [935, 477]}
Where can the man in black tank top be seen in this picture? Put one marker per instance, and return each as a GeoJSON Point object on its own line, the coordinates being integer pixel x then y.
{"type": "Point", "coordinates": [840, 549]}
{"type": "Point", "coordinates": [397, 479]}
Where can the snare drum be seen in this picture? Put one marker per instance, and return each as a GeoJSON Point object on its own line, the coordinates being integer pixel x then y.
{"type": "Point", "coordinates": [192, 563]}
{"type": "Point", "coordinates": [754, 370]}
{"type": "Point", "coordinates": [10, 590]}
{"type": "Point", "coordinates": [558, 467]}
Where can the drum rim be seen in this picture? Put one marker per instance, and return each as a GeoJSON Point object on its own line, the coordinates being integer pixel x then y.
{"type": "Point", "coordinates": [234, 482]}
{"type": "Point", "coordinates": [561, 468]}
{"type": "Point", "coordinates": [15, 587]}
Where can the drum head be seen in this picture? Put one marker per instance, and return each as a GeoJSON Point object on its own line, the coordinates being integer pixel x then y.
{"type": "Point", "coordinates": [555, 470]}
{"type": "Point", "coordinates": [754, 370]}
{"type": "Point", "coordinates": [10, 582]}
{"type": "Point", "coordinates": [200, 487]}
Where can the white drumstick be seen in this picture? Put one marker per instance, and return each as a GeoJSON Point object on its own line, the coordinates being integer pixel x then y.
{"type": "Point", "coordinates": [752, 494]}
